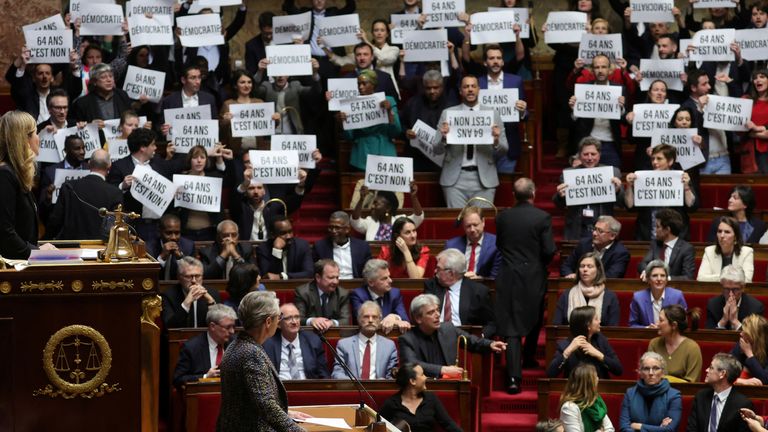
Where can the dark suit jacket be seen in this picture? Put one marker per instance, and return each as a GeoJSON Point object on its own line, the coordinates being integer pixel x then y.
{"type": "Point", "coordinates": [186, 246]}
{"type": "Point", "coordinates": [749, 306]}
{"type": "Point", "coordinates": [682, 262]}
{"type": "Point", "coordinates": [615, 259]}
{"type": "Point", "coordinates": [299, 259]}
{"type": "Point", "coordinates": [124, 167]}
{"type": "Point", "coordinates": [360, 251]}
{"type": "Point", "coordinates": [308, 303]}
{"type": "Point", "coordinates": [392, 302]}
{"type": "Point", "coordinates": [610, 364]}
{"type": "Point", "coordinates": [254, 52]}
{"type": "Point", "coordinates": [413, 350]}
{"type": "Point", "coordinates": [577, 226]}
{"type": "Point", "coordinates": [609, 313]}
{"type": "Point", "coordinates": [24, 93]}
{"type": "Point", "coordinates": [223, 69]}
{"type": "Point", "coordinates": [475, 307]}
{"type": "Point", "coordinates": [490, 258]}
{"type": "Point", "coordinates": [194, 360]}
{"type": "Point", "coordinates": [173, 100]}
{"type": "Point", "coordinates": [211, 267]}
{"type": "Point", "coordinates": [74, 220]}
{"type": "Point", "coordinates": [730, 419]}
{"type": "Point", "coordinates": [18, 217]}
{"type": "Point", "coordinates": [174, 316]}
{"type": "Point", "coordinates": [86, 108]}
{"type": "Point", "coordinates": [312, 354]}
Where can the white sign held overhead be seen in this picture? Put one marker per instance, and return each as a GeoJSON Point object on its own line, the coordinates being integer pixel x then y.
{"type": "Point", "coordinates": [62, 175]}
{"type": "Point", "coordinates": [339, 31]}
{"type": "Point", "coordinates": [659, 189]}
{"type": "Point", "coordinates": [254, 119]}
{"type": "Point", "coordinates": [589, 186]}
{"type": "Point", "coordinates": [287, 27]}
{"type": "Point", "coordinates": [144, 82]}
{"type": "Point", "coordinates": [688, 152]}
{"type": "Point", "coordinates": [157, 30]}
{"type": "Point", "coordinates": [401, 24]}
{"type": "Point", "coordinates": [388, 173]}
{"type": "Point", "coordinates": [152, 190]}
{"type": "Point", "coordinates": [651, 11]}
{"type": "Point", "coordinates": [54, 22]}
{"type": "Point", "coordinates": [426, 45]}
{"type": "Point", "coordinates": [565, 27]}
{"type": "Point", "coordinates": [521, 19]}
{"type": "Point", "coordinates": [190, 133]}
{"type": "Point", "coordinates": [149, 7]}
{"type": "Point", "coordinates": [304, 144]}
{"type": "Point", "coordinates": [364, 111]}
{"type": "Point", "coordinates": [111, 129]}
{"type": "Point", "coordinates": [289, 60]}
{"type": "Point", "coordinates": [669, 70]}
{"type": "Point", "coordinates": [650, 117]}
{"type": "Point", "coordinates": [493, 27]}
{"type": "Point", "coordinates": [503, 101]}
{"type": "Point", "coordinates": [442, 13]}
{"type": "Point", "coordinates": [753, 43]}
{"type": "Point", "coordinates": [704, 4]}
{"type": "Point", "coordinates": [341, 88]}
{"type": "Point", "coordinates": [118, 149]}
{"type": "Point", "coordinates": [713, 45]}
{"type": "Point", "coordinates": [470, 127]}
{"type": "Point", "coordinates": [425, 140]}
{"type": "Point", "coordinates": [275, 167]}
{"type": "Point", "coordinates": [48, 46]}
{"type": "Point", "coordinates": [201, 193]}
{"type": "Point", "coordinates": [597, 101]}
{"type": "Point", "coordinates": [98, 19]}
{"type": "Point", "coordinates": [220, 3]}
{"type": "Point", "coordinates": [89, 134]}
{"type": "Point", "coordinates": [49, 151]}
{"type": "Point", "coordinates": [727, 113]}
{"type": "Point", "coordinates": [200, 30]}
{"type": "Point", "coordinates": [593, 45]}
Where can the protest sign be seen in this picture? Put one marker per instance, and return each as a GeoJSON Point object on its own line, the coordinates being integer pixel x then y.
{"type": "Point", "coordinates": [364, 111]}
{"type": "Point", "coordinates": [254, 119]}
{"type": "Point", "coordinates": [89, 134]}
{"type": "Point", "coordinates": [341, 88]}
{"type": "Point", "coordinates": [388, 173]}
{"type": "Point", "coordinates": [589, 186]}
{"type": "Point", "coordinates": [157, 30]}
{"type": "Point", "coordinates": [144, 82]}
{"type": "Point", "coordinates": [76, 7]}
{"type": "Point", "coordinates": [727, 113]}
{"type": "Point", "coordinates": [503, 101]}
{"type": "Point", "coordinates": [190, 133]}
{"type": "Point", "coordinates": [688, 153]}
{"type": "Point", "coordinates": [48, 46]}
{"type": "Point", "coordinates": [469, 127]}
{"type": "Point", "coordinates": [713, 45]}
{"type": "Point", "coordinates": [704, 4]}
{"type": "Point", "coordinates": [493, 27]}
{"type": "Point", "coordinates": [287, 27]}
{"type": "Point", "coordinates": [201, 193]}
{"type": "Point", "coordinates": [442, 13]}
{"type": "Point", "coordinates": [339, 30]}
{"type": "Point", "coordinates": [608, 44]}
{"type": "Point", "coordinates": [521, 19]}
{"type": "Point", "coordinates": [425, 140]}
{"type": "Point", "coordinates": [219, 3]}
{"type": "Point", "coordinates": [195, 8]}
{"type": "Point", "coordinates": [597, 101]}
{"type": "Point", "coordinates": [426, 45]}
{"type": "Point", "coordinates": [753, 43]}
{"type": "Point", "coordinates": [61, 175]}
{"type": "Point", "coordinates": [55, 22]}
{"type": "Point", "coordinates": [49, 151]}
{"type": "Point", "coordinates": [274, 167]}
{"type": "Point", "coordinates": [401, 24]}
{"type": "Point", "coordinates": [668, 70]}
{"type": "Point", "coordinates": [111, 129]}
{"type": "Point", "coordinates": [200, 112]}
{"type": "Point", "coordinates": [565, 27]}
{"type": "Point", "coordinates": [200, 30]}
{"type": "Point", "coordinates": [304, 144]}
{"type": "Point", "coordinates": [149, 7]}
{"type": "Point", "coordinates": [118, 149]}
{"type": "Point", "coordinates": [152, 190]}
{"type": "Point", "coordinates": [649, 117]}
{"type": "Point", "coordinates": [289, 60]}
{"type": "Point", "coordinates": [659, 189]}
{"type": "Point", "coordinates": [98, 19]}
{"type": "Point", "coordinates": [651, 11]}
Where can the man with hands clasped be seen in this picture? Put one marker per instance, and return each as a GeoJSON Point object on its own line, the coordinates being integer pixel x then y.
{"type": "Point", "coordinates": [219, 258]}
{"type": "Point", "coordinates": [186, 303]}
{"type": "Point", "coordinates": [726, 311]}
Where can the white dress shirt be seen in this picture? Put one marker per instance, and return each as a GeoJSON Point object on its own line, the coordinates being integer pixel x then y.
{"type": "Point", "coordinates": [285, 372]}
{"type": "Point", "coordinates": [189, 101]}
{"type": "Point", "coordinates": [342, 255]}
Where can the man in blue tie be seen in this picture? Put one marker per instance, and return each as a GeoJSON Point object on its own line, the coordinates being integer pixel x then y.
{"type": "Point", "coordinates": [716, 409]}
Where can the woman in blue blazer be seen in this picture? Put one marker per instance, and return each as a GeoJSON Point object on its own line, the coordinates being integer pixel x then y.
{"type": "Point", "coordinates": [651, 404]}
{"type": "Point", "coordinates": [641, 310]}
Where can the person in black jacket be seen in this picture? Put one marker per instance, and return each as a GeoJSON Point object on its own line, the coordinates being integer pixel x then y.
{"type": "Point", "coordinates": [605, 241]}
{"type": "Point", "coordinates": [197, 358]}
{"type": "Point", "coordinates": [186, 304]}
{"type": "Point", "coordinates": [96, 106]}
{"type": "Point", "coordinates": [721, 374]}
{"type": "Point", "coordinates": [726, 311]}
{"type": "Point", "coordinates": [741, 205]}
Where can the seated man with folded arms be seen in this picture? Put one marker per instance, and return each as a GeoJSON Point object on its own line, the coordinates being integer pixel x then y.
{"type": "Point", "coordinates": [200, 356]}
{"type": "Point", "coordinates": [726, 311]}
{"type": "Point", "coordinates": [296, 353]}
{"type": "Point", "coordinates": [186, 303]}
{"type": "Point", "coordinates": [378, 288]}
{"type": "Point", "coordinates": [322, 303]}
{"type": "Point", "coordinates": [368, 355]}
{"type": "Point", "coordinates": [604, 242]}
{"type": "Point", "coordinates": [676, 253]}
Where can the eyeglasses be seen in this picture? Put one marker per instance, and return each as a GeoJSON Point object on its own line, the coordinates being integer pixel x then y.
{"type": "Point", "coordinates": [650, 369]}
{"type": "Point", "coordinates": [732, 290]}
{"type": "Point", "coordinates": [599, 231]}
{"type": "Point", "coordinates": [192, 276]}
{"type": "Point", "coordinates": [229, 327]}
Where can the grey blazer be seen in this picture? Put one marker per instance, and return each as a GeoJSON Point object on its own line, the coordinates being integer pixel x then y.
{"type": "Point", "coordinates": [386, 357]}
{"type": "Point", "coordinates": [293, 93]}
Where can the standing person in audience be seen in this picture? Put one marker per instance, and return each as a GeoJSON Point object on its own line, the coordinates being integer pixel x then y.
{"type": "Point", "coordinates": [590, 290]}
{"type": "Point", "coordinates": [718, 408]}
{"type": "Point", "coordinates": [243, 279]}
{"type": "Point", "coordinates": [651, 404]}
{"type": "Point", "coordinates": [381, 80]}
{"type": "Point", "coordinates": [478, 246]}
{"type": "Point", "coordinates": [200, 355]}
{"type": "Point", "coordinates": [727, 310]}
{"type": "Point", "coordinates": [407, 258]}
{"type": "Point", "coordinates": [729, 249]}
{"type": "Point", "coordinates": [287, 95]}
{"type": "Point", "coordinates": [586, 345]}
{"type": "Point", "coordinates": [378, 225]}
{"type": "Point", "coordinates": [368, 355]}
{"type": "Point", "coordinates": [74, 159]}
{"type": "Point", "coordinates": [682, 353]}
{"type": "Point", "coordinates": [284, 256]}
{"type": "Point", "coordinates": [186, 303]}
{"type": "Point", "coordinates": [752, 350]}
{"type": "Point", "coordinates": [57, 103]}
{"type": "Point", "coordinates": [605, 244]}
{"type": "Point", "coordinates": [757, 136]}
{"type": "Point", "coordinates": [646, 306]}
{"type": "Point", "coordinates": [741, 206]}
{"type": "Point", "coordinates": [678, 255]}
{"type": "Point", "coordinates": [350, 253]}
{"type": "Point", "coordinates": [195, 224]}
{"type": "Point", "coordinates": [170, 246]}
{"type": "Point", "coordinates": [386, 55]}
{"type": "Point", "coordinates": [105, 100]}
{"type": "Point", "coordinates": [322, 303]}
{"type": "Point", "coordinates": [378, 288]}
{"type": "Point", "coordinates": [657, 94]}
{"type": "Point", "coordinates": [469, 170]}
{"type": "Point", "coordinates": [256, 48]}
{"type": "Point", "coordinates": [714, 141]}
{"type": "Point", "coordinates": [225, 252]}
{"type": "Point", "coordinates": [296, 353]}
{"type": "Point", "coordinates": [580, 219]}
{"type": "Point", "coordinates": [243, 93]}
{"type": "Point", "coordinates": [189, 95]}
{"type": "Point", "coordinates": [581, 407]}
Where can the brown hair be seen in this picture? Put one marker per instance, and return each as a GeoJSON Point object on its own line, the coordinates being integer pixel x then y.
{"type": "Point", "coordinates": [581, 387]}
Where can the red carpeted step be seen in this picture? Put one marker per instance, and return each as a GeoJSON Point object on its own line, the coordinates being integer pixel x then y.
{"type": "Point", "coordinates": [503, 422]}
{"type": "Point", "coordinates": [502, 402]}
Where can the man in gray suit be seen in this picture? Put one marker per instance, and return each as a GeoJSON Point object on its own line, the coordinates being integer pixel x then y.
{"type": "Point", "coordinates": [469, 170]}
{"type": "Point", "coordinates": [368, 355]}
{"type": "Point", "coordinates": [287, 97]}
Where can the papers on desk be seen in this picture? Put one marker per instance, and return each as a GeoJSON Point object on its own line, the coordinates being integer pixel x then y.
{"type": "Point", "coordinates": [338, 423]}
{"type": "Point", "coordinates": [56, 256]}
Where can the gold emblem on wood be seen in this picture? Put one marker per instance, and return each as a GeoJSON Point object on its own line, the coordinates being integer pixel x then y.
{"type": "Point", "coordinates": [42, 286]}
{"type": "Point", "coordinates": [147, 284]}
{"type": "Point", "coordinates": [77, 285]}
{"type": "Point", "coordinates": [5, 287]}
{"type": "Point", "coordinates": [112, 285]}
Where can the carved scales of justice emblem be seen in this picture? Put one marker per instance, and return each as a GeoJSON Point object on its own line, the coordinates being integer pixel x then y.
{"type": "Point", "coordinates": [77, 360]}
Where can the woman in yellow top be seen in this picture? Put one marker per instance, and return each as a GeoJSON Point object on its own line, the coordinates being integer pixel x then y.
{"type": "Point", "coordinates": [682, 354]}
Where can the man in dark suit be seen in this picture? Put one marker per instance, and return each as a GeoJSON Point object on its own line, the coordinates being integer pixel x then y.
{"type": "Point", "coordinates": [221, 72]}
{"type": "Point", "coordinates": [350, 253]}
{"type": "Point", "coordinates": [76, 215]}
{"type": "Point", "coordinates": [366, 342]}
{"type": "Point", "coordinates": [728, 310]}
{"type": "Point", "coordinates": [57, 103]}
{"type": "Point", "coordinates": [677, 253]}
{"type": "Point", "coordinates": [200, 356]}
{"type": "Point", "coordinates": [433, 345]}
{"type": "Point", "coordinates": [292, 347]}
{"type": "Point", "coordinates": [170, 246]}
{"type": "Point", "coordinates": [186, 303]}
{"type": "Point", "coordinates": [378, 288]}
{"type": "Point", "coordinates": [322, 303]}
{"type": "Point", "coordinates": [524, 237]}
{"type": "Point", "coordinates": [255, 49]}
{"type": "Point", "coordinates": [74, 158]}
{"type": "Point", "coordinates": [104, 101]}
{"type": "Point", "coordinates": [462, 300]}
{"type": "Point", "coordinates": [284, 256]}
{"type": "Point", "coordinates": [29, 86]}
{"type": "Point", "coordinates": [226, 252]}
{"type": "Point", "coordinates": [478, 246]}
{"type": "Point", "coordinates": [717, 408]}
{"type": "Point", "coordinates": [605, 241]}
{"type": "Point", "coordinates": [364, 60]}
{"type": "Point", "coordinates": [189, 95]}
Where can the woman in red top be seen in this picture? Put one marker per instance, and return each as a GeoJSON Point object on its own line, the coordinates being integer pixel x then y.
{"type": "Point", "coordinates": [405, 256]}
{"type": "Point", "coordinates": [757, 125]}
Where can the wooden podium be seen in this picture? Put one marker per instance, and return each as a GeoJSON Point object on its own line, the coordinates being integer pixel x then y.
{"type": "Point", "coordinates": [346, 412]}
{"type": "Point", "coordinates": [80, 347]}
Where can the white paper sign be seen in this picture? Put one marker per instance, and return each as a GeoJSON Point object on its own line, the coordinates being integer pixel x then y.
{"type": "Point", "coordinates": [597, 101]}
{"type": "Point", "coordinates": [589, 186]}
{"type": "Point", "coordinates": [157, 30]}
{"type": "Point", "coordinates": [713, 45]}
{"type": "Point", "coordinates": [341, 88]}
{"type": "Point", "coordinates": [565, 27]}
{"type": "Point", "coordinates": [200, 30]}
{"type": "Point", "coordinates": [55, 22]}
{"type": "Point", "coordinates": [608, 44]}
{"type": "Point", "coordinates": [274, 167]}
{"type": "Point", "coordinates": [688, 153]}
{"type": "Point", "coordinates": [111, 129]}
{"type": "Point", "coordinates": [152, 190]}
{"type": "Point", "coordinates": [196, 8]}
{"type": "Point", "coordinates": [364, 111]}
{"type": "Point", "coordinates": [683, 46]}
{"type": "Point", "coordinates": [469, 127]}
{"type": "Point", "coordinates": [401, 24]}
{"type": "Point", "coordinates": [118, 149]}
{"type": "Point", "coordinates": [521, 19]}
{"type": "Point", "coordinates": [76, 7]}
{"type": "Point", "coordinates": [339, 31]}
{"type": "Point", "coordinates": [255, 119]}
{"type": "Point", "coordinates": [668, 70]}
{"type": "Point", "coordinates": [63, 175]}
{"type": "Point", "coordinates": [387, 173]}
{"type": "Point", "coordinates": [289, 60]}
{"type": "Point", "coordinates": [442, 13]}
{"type": "Point", "coordinates": [304, 144]}
{"type": "Point", "coordinates": [101, 19]}
{"type": "Point", "coordinates": [753, 43]}
{"type": "Point", "coordinates": [201, 112]}
{"type": "Point", "coordinates": [49, 151]}
{"type": "Point", "coordinates": [503, 101]}
{"type": "Point", "coordinates": [89, 134]}
{"type": "Point", "coordinates": [201, 193]}
{"type": "Point", "coordinates": [48, 46]}
{"type": "Point", "coordinates": [703, 4]}
{"type": "Point", "coordinates": [286, 27]}
{"type": "Point", "coordinates": [152, 7]}
{"type": "Point", "coordinates": [219, 3]}
{"type": "Point", "coordinates": [727, 113]}
{"type": "Point", "coordinates": [190, 133]}
{"type": "Point", "coordinates": [651, 117]}
{"type": "Point", "coordinates": [651, 11]}
{"type": "Point", "coordinates": [424, 141]}
{"type": "Point", "coordinates": [146, 82]}
{"type": "Point", "coordinates": [493, 27]}
{"type": "Point", "coordinates": [659, 189]}
{"type": "Point", "coordinates": [426, 45]}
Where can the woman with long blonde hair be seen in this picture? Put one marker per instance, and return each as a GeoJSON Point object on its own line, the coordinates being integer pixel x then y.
{"type": "Point", "coordinates": [752, 350]}
{"type": "Point", "coordinates": [581, 407]}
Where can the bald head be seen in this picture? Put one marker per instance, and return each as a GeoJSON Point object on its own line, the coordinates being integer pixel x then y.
{"type": "Point", "coordinates": [100, 161]}
{"type": "Point", "coordinates": [525, 190]}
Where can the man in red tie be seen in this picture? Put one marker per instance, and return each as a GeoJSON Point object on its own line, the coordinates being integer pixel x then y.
{"type": "Point", "coordinates": [200, 356]}
{"type": "Point", "coordinates": [478, 246]}
{"type": "Point", "coordinates": [368, 355]}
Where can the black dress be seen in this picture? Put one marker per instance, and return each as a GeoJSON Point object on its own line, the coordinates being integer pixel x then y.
{"type": "Point", "coordinates": [429, 413]}
{"type": "Point", "coordinates": [18, 217]}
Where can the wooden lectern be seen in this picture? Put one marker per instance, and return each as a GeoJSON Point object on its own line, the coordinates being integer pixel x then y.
{"type": "Point", "coordinates": [80, 347]}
